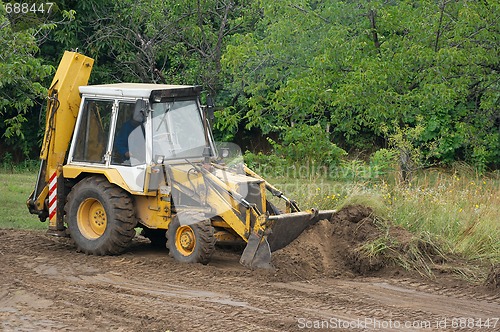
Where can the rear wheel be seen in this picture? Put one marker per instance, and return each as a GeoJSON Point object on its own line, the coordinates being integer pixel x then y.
{"type": "Point", "coordinates": [100, 217]}
{"type": "Point", "coordinates": [190, 238]}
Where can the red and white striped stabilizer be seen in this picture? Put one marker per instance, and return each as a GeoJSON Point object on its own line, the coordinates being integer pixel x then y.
{"type": "Point", "coordinates": [53, 195]}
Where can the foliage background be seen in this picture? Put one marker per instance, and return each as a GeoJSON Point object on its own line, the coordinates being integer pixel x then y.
{"type": "Point", "coordinates": [418, 77]}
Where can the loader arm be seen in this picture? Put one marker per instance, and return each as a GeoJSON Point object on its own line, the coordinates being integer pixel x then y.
{"type": "Point", "coordinates": [61, 113]}
{"type": "Point", "coordinates": [264, 233]}
{"type": "Point", "coordinates": [221, 199]}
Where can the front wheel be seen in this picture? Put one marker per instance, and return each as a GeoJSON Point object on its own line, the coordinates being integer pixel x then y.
{"type": "Point", "coordinates": [190, 238]}
{"type": "Point", "coordinates": [100, 217]}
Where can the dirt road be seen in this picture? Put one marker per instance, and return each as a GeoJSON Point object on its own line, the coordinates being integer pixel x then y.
{"type": "Point", "coordinates": [47, 286]}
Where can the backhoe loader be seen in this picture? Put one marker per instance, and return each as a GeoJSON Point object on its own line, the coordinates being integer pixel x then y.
{"type": "Point", "coordinates": [116, 157]}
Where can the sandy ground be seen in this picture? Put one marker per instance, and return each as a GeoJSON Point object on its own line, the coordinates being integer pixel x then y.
{"type": "Point", "coordinates": [47, 286]}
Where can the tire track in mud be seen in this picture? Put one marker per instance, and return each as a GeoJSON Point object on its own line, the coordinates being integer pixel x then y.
{"type": "Point", "coordinates": [46, 285]}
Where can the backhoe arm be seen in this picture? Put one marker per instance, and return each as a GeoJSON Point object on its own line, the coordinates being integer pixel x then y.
{"type": "Point", "coordinates": [62, 109]}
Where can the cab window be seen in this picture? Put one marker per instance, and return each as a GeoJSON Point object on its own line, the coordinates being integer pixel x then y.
{"type": "Point", "coordinates": [93, 132]}
{"type": "Point", "coordinates": [129, 145]}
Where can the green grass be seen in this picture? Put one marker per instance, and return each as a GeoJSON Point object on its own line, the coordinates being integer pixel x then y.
{"type": "Point", "coordinates": [457, 208]}
{"type": "Point", "coordinates": [462, 210]}
{"type": "Point", "coordinates": [15, 189]}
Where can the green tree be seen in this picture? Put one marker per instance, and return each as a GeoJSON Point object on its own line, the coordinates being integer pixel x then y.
{"type": "Point", "coordinates": [365, 70]}
{"type": "Point", "coordinates": [154, 41]}
{"type": "Point", "coordinates": [21, 74]}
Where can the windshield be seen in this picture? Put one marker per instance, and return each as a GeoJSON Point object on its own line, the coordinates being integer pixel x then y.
{"type": "Point", "coordinates": [177, 130]}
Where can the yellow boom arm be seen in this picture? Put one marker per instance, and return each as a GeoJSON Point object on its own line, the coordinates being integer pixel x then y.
{"type": "Point", "coordinates": [62, 110]}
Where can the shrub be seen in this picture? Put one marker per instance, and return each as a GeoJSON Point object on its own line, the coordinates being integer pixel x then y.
{"type": "Point", "coordinates": [384, 161]}
{"type": "Point", "coordinates": [308, 144]}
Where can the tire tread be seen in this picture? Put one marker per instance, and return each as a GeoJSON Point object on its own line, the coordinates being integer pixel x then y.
{"type": "Point", "coordinates": [122, 230]}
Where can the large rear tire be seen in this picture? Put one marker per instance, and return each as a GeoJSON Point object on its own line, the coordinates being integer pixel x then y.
{"type": "Point", "coordinates": [193, 241]}
{"type": "Point", "coordinates": [100, 217]}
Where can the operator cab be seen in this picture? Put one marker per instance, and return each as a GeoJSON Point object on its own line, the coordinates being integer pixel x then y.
{"type": "Point", "coordinates": [128, 126]}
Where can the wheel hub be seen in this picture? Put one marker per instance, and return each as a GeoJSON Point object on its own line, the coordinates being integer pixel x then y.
{"type": "Point", "coordinates": [185, 240]}
{"type": "Point", "coordinates": [92, 219]}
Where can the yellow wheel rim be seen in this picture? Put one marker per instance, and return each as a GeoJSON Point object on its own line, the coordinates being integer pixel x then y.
{"type": "Point", "coordinates": [185, 240]}
{"type": "Point", "coordinates": [92, 218]}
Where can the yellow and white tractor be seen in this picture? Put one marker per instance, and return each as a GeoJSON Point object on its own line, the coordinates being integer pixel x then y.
{"type": "Point", "coordinates": [117, 157]}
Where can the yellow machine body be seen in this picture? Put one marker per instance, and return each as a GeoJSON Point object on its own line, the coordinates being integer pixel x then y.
{"type": "Point", "coordinates": [173, 184]}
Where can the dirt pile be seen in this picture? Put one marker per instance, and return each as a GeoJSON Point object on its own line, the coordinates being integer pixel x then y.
{"type": "Point", "coordinates": [352, 243]}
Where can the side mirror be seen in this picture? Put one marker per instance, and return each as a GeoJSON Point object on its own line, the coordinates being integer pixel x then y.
{"type": "Point", "coordinates": [210, 108]}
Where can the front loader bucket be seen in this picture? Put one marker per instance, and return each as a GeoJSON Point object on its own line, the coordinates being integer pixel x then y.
{"type": "Point", "coordinates": [287, 227]}
{"type": "Point", "coordinates": [284, 229]}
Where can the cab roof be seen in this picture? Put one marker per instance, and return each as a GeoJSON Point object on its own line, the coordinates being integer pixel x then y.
{"type": "Point", "coordinates": [139, 90]}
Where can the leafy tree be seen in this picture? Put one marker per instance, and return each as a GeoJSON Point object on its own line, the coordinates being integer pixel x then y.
{"type": "Point", "coordinates": [365, 70]}
{"type": "Point", "coordinates": [304, 144]}
{"type": "Point", "coordinates": [154, 41]}
{"type": "Point", "coordinates": [362, 72]}
{"type": "Point", "coordinates": [20, 75]}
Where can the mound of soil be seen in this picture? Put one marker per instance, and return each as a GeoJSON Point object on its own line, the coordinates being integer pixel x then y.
{"type": "Point", "coordinates": [338, 246]}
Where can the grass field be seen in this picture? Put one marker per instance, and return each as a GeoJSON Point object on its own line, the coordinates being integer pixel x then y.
{"type": "Point", "coordinates": [15, 189]}
{"type": "Point", "coordinates": [457, 210]}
